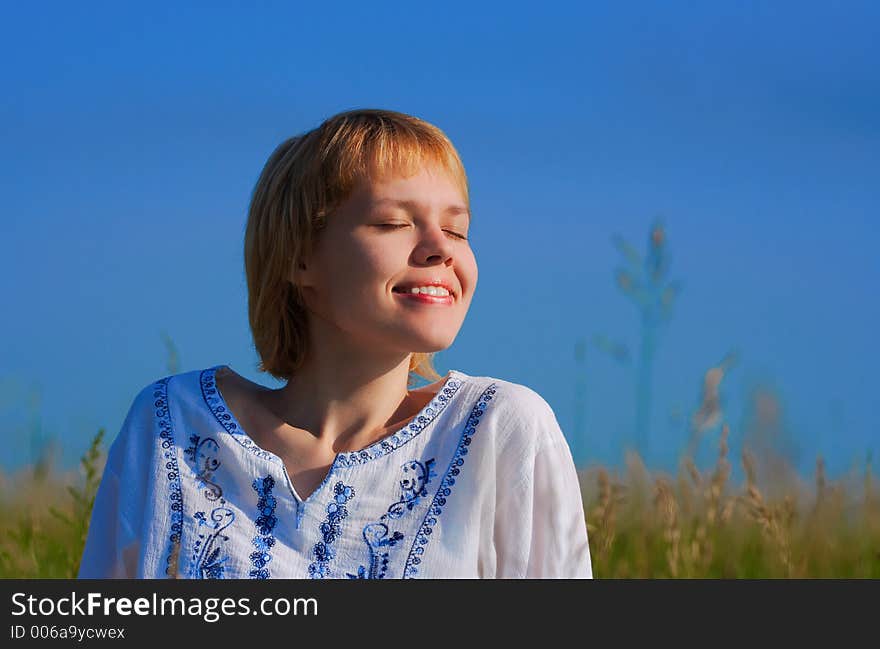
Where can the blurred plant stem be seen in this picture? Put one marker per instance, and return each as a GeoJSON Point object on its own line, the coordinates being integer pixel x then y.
{"type": "Point", "coordinates": [580, 390]}
{"type": "Point", "coordinates": [644, 282]}
{"type": "Point", "coordinates": [173, 355]}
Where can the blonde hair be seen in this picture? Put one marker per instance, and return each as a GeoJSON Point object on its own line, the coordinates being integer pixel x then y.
{"type": "Point", "coordinates": [305, 179]}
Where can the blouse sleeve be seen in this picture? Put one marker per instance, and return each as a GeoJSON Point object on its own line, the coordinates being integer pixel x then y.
{"type": "Point", "coordinates": [113, 545]}
{"type": "Point", "coordinates": [540, 527]}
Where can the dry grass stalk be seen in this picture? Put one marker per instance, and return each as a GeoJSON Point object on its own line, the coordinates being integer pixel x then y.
{"type": "Point", "coordinates": [686, 489]}
{"type": "Point", "coordinates": [774, 524]}
{"type": "Point", "coordinates": [719, 479]}
{"type": "Point", "coordinates": [604, 514]}
{"type": "Point", "coordinates": [664, 501]}
{"type": "Point", "coordinates": [821, 483]}
{"type": "Point", "coordinates": [686, 497]}
{"type": "Point", "coordinates": [694, 472]}
{"type": "Point", "coordinates": [717, 513]}
{"type": "Point", "coordinates": [868, 497]}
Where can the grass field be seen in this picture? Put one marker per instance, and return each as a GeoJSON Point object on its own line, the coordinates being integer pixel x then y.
{"type": "Point", "coordinates": [641, 524]}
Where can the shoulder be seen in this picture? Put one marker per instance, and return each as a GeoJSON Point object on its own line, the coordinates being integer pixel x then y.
{"type": "Point", "coordinates": [154, 395]}
{"type": "Point", "coordinates": [181, 385]}
{"type": "Point", "coordinates": [152, 402]}
{"type": "Point", "coordinates": [511, 399]}
{"type": "Point", "coordinates": [524, 420]}
{"type": "Point", "coordinates": [148, 425]}
{"type": "Point", "coordinates": [521, 432]}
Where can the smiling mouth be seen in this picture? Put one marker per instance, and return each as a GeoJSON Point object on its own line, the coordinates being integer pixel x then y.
{"type": "Point", "coordinates": [405, 291]}
{"type": "Point", "coordinates": [425, 298]}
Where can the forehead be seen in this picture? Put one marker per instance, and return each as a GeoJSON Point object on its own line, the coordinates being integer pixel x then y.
{"type": "Point", "coordinates": [427, 190]}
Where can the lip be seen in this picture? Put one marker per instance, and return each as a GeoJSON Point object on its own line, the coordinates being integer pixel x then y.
{"type": "Point", "coordinates": [422, 298]}
{"type": "Point", "coordinates": [406, 286]}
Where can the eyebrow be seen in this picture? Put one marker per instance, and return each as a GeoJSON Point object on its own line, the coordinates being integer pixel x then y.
{"type": "Point", "coordinates": [414, 205]}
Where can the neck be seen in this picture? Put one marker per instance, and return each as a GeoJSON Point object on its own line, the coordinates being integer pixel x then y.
{"type": "Point", "coordinates": [347, 405]}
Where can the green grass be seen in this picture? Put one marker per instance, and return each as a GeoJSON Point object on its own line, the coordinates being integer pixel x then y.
{"type": "Point", "coordinates": [698, 525]}
{"type": "Point", "coordinates": [641, 525]}
{"type": "Point", "coordinates": [45, 523]}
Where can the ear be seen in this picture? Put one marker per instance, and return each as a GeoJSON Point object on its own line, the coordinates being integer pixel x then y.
{"type": "Point", "coordinates": [299, 275]}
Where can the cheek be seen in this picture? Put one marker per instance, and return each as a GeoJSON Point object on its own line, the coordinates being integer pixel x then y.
{"type": "Point", "coordinates": [354, 258]}
{"type": "Point", "coordinates": [382, 263]}
{"type": "Point", "coordinates": [361, 272]}
{"type": "Point", "coordinates": [469, 270]}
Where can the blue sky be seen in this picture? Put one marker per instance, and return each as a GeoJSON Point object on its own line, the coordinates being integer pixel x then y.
{"type": "Point", "coordinates": [132, 137]}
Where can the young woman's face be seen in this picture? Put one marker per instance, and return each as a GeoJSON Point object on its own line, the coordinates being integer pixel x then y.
{"type": "Point", "coordinates": [388, 236]}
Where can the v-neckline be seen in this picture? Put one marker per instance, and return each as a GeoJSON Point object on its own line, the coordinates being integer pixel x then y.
{"type": "Point", "coordinates": [223, 413]}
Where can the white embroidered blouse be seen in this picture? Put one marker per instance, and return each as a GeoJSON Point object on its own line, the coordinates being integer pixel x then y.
{"type": "Point", "coordinates": [480, 484]}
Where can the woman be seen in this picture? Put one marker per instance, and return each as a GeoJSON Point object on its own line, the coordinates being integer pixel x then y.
{"type": "Point", "coordinates": [358, 270]}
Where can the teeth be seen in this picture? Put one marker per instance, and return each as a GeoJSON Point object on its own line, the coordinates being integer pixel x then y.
{"type": "Point", "coordinates": [429, 290]}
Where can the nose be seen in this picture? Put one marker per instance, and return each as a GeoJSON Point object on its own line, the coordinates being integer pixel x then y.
{"type": "Point", "coordinates": [434, 245]}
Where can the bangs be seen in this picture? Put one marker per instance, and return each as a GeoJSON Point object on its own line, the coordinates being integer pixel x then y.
{"type": "Point", "coordinates": [376, 148]}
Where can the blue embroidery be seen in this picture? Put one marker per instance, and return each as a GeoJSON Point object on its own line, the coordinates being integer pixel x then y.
{"type": "Point", "coordinates": [265, 523]}
{"type": "Point", "coordinates": [166, 434]}
{"type": "Point", "coordinates": [436, 508]}
{"type": "Point", "coordinates": [376, 536]}
{"type": "Point", "coordinates": [383, 447]}
{"type": "Point", "coordinates": [217, 405]}
{"type": "Point", "coordinates": [413, 488]}
{"type": "Point", "coordinates": [323, 551]}
{"type": "Point", "coordinates": [203, 456]}
{"type": "Point", "coordinates": [206, 560]}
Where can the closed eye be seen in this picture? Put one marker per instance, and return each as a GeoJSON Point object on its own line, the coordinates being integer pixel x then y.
{"type": "Point", "coordinates": [404, 225]}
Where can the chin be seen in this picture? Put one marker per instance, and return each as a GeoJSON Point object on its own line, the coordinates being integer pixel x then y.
{"type": "Point", "coordinates": [432, 346]}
